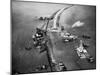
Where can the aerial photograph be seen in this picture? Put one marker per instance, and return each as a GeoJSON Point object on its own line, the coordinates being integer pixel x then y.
{"type": "Point", "coordinates": [52, 37]}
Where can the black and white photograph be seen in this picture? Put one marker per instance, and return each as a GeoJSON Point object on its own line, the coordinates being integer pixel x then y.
{"type": "Point", "coordinates": [52, 37]}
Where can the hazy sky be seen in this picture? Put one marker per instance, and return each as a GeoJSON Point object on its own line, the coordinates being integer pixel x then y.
{"type": "Point", "coordinates": [37, 9]}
